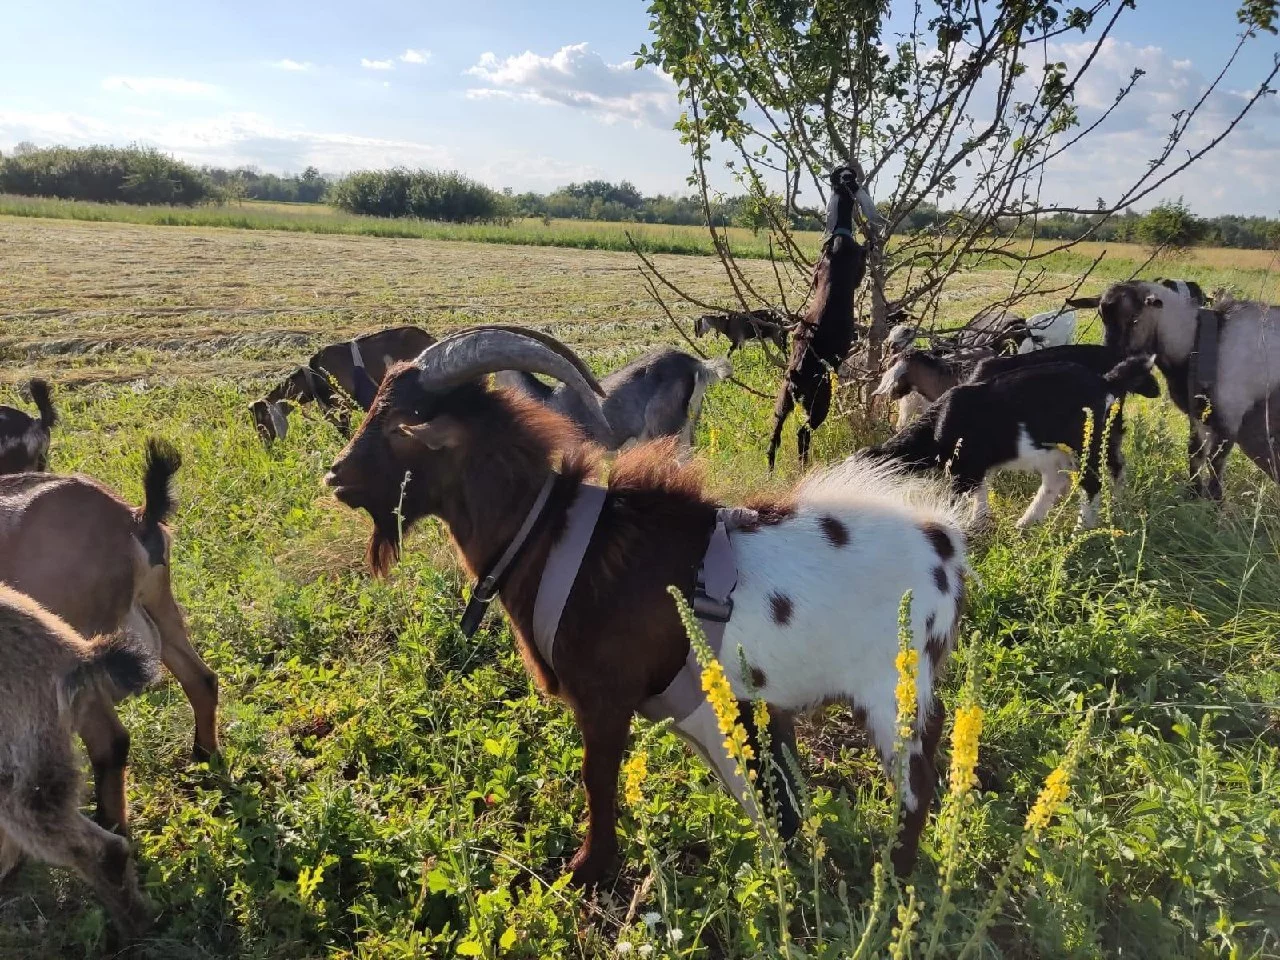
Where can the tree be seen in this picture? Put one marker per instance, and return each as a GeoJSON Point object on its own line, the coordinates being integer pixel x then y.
{"type": "Point", "coordinates": [1171, 225]}
{"type": "Point", "coordinates": [965, 110]}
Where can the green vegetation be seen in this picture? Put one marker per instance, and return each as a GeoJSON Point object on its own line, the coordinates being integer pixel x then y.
{"type": "Point", "coordinates": [421, 194]}
{"type": "Point", "coordinates": [135, 175]}
{"type": "Point", "coordinates": [391, 790]}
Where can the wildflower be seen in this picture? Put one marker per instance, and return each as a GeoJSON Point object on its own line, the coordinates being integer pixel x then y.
{"type": "Point", "coordinates": [622, 948]}
{"type": "Point", "coordinates": [675, 935]}
{"type": "Point", "coordinates": [720, 694]}
{"type": "Point", "coordinates": [1054, 792]}
{"type": "Point", "coordinates": [646, 950]}
{"type": "Point", "coordinates": [634, 772]}
{"type": "Point", "coordinates": [907, 662]}
{"type": "Point", "coordinates": [964, 749]}
{"type": "Point", "coordinates": [714, 440]}
{"type": "Point", "coordinates": [651, 919]}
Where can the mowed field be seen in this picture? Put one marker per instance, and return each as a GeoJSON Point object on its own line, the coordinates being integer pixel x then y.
{"type": "Point", "coordinates": [389, 789]}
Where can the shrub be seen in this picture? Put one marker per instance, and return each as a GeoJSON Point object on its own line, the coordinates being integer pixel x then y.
{"type": "Point", "coordinates": [1171, 225]}
{"type": "Point", "coordinates": [425, 194]}
{"type": "Point", "coordinates": [105, 174]}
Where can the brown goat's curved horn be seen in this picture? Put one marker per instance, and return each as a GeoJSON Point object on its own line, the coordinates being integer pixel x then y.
{"type": "Point", "coordinates": [471, 353]}
{"type": "Point", "coordinates": [548, 341]}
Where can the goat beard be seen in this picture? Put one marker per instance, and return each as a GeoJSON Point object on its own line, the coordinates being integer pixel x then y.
{"type": "Point", "coordinates": [384, 543]}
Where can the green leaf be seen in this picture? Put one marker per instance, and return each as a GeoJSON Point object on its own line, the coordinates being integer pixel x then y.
{"type": "Point", "coordinates": [469, 948]}
{"type": "Point", "coordinates": [508, 939]}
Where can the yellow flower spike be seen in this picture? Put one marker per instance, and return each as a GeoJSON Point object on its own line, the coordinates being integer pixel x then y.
{"type": "Point", "coordinates": [714, 440]}
{"type": "Point", "coordinates": [907, 663]}
{"type": "Point", "coordinates": [634, 772]}
{"type": "Point", "coordinates": [964, 749]}
{"type": "Point", "coordinates": [1052, 795]}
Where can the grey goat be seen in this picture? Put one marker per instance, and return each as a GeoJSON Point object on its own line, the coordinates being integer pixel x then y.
{"type": "Point", "coordinates": [659, 395]}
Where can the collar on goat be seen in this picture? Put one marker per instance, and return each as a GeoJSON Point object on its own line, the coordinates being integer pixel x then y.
{"type": "Point", "coordinates": [1202, 371]}
{"type": "Point", "coordinates": [486, 588]}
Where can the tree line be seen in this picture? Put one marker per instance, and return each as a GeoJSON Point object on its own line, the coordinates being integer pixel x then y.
{"type": "Point", "coordinates": [140, 175]}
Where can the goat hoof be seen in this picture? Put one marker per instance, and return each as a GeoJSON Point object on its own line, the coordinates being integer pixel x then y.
{"type": "Point", "coordinates": [202, 754]}
{"type": "Point", "coordinates": [588, 869]}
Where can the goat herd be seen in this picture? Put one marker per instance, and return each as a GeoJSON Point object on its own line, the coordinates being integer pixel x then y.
{"type": "Point", "coordinates": [796, 591]}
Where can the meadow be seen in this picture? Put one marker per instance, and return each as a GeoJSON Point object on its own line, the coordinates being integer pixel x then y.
{"type": "Point", "coordinates": [391, 790]}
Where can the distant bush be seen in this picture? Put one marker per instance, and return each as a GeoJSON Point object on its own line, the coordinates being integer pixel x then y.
{"type": "Point", "coordinates": [104, 174]}
{"type": "Point", "coordinates": [425, 194]}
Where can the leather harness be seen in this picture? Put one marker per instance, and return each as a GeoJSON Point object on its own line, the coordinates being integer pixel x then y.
{"type": "Point", "coordinates": [712, 598]}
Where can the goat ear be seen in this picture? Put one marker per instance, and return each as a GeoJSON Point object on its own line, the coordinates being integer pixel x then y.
{"type": "Point", "coordinates": [438, 434]}
{"type": "Point", "coordinates": [1084, 303]}
{"type": "Point", "coordinates": [1153, 301]}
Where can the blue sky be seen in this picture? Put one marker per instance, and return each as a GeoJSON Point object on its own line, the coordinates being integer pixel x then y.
{"type": "Point", "coordinates": [520, 94]}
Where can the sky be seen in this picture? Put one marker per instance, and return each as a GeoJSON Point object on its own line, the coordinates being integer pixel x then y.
{"type": "Point", "coordinates": [527, 95]}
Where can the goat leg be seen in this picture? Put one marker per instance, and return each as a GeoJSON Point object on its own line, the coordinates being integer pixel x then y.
{"type": "Point", "coordinates": [107, 742]}
{"type": "Point", "coordinates": [922, 784]}
{"type": "Point", "coordinates": [604, 740]}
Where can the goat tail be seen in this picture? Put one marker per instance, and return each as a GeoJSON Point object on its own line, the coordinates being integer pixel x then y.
{"type": "Point", "coordinates": [118, 665]}
{"type": "Point", "coordinates": [39, 391]}
{"type": "Point", "coordinates": [1130, 374]}
{"type": "Point", "coordinates": [163, 461]}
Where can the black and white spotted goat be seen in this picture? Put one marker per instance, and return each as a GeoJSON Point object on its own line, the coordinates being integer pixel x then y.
{"type": "Point", "coordinates": [24, 439]}
{"type": "Point", "coordinates": [1034, 419]}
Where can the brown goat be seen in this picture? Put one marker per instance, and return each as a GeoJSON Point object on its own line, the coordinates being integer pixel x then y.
{"type": "Point", "coordinates": [49, 677]}
{"type": "Point", "coordinates": [102, 566]}
{"type": "Point", "coordinates": [816, 604]}
{"type": "Point", "coordinates": [331, 375]}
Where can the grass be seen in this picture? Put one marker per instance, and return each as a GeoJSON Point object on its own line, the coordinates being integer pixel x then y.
{"type": "Point", "coordinates": [391, 790]}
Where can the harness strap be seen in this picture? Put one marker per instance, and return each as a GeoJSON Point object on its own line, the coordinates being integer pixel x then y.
{"type": "Point", "coordinates": [485, 589]}
{"type": "Point", "coordinates": [1202, 372]}
{"type": "Point", "coordinates": [561, 571]}
{"type": "Point", "coordinates": [356, 359]}
{"type": "Point", "coordinates": [713, 605]}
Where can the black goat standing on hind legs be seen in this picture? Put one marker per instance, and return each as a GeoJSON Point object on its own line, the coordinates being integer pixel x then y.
{"type": "Point", "coordinates": [825, 332]}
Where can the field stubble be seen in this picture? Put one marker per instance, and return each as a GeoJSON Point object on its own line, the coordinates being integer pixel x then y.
{"type": "Point", "coordinates": [391, 790]}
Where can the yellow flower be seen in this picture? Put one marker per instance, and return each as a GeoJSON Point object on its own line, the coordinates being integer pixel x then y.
{"type": "Point", "coordinates": [1055, 790]}
{"type": "Point", "coordinates": [634, 772]}
{"type": "Point", "coordinates": [714, 440]}
{"type": "Point", "coordinates": [725, 705]}
{"type": "Point", "coordinates": [964, 749]}
{"type": "Point", "coordinates": [907, 662]}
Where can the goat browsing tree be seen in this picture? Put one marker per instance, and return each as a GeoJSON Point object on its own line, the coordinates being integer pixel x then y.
{"type": "Point", "coordinates": [962, 104]}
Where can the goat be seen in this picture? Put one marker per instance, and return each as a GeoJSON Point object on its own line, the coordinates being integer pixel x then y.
{"type": "Point", "coordinates": [50, 676]}
{"type": "Point", "coordinates": [101, 565]}
{"type": "Point", "coordinates": [658, 395]}
{"type": "Point", "coordinates": [1053, 328]}
{"type": "Point", "coordinates": [739, 327]}
{"type": "Point", "coordinates": [917, 377]}
{"type": "Point", "coordinates": [353, 368]}
{"type": "Point", "coordinates": [1026, 419]}
{"type": "Point", "coordinates": [826, 332]}
{"type": "Point", "coordinates": [996, 329]}
{"type": "Point", "coordinates": [1097, 358]}
{"type": "Point", "coordinates": [819, 573]}
{"type": "Point", "coordinates": [24, 439]}
{"type": "Point", "coordinates": [1221, 365]}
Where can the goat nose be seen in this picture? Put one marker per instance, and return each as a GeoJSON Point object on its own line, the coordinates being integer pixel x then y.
{"type": "Point", "coordinates": [331, 479]}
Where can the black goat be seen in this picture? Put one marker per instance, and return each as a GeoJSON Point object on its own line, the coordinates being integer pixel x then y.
{"type": "Point", "coordinates": [826, 332]}
{"type": "Point", "coordinates": [1095, 357]}
{"type": "Point", "coordinates": [1026, 419]}
{"type": "Point", "coordinates": [24, 439]}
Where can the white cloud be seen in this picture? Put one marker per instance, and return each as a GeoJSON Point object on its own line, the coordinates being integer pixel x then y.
{"type": "Point", "coordinates": [415, 56]}
{"type": "Point", "coordinates": [298, 66]}
{"type": "Point", "coordinates": [164, 86]}
{"type": "Point", "coordinates": [230, 139]}
{"type": "Point", "coordinates": [1236, 176]}
{"type": "Point", "coordinates": [377, 64]}
{"type": "Point", "coordinates": [574, 76]}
